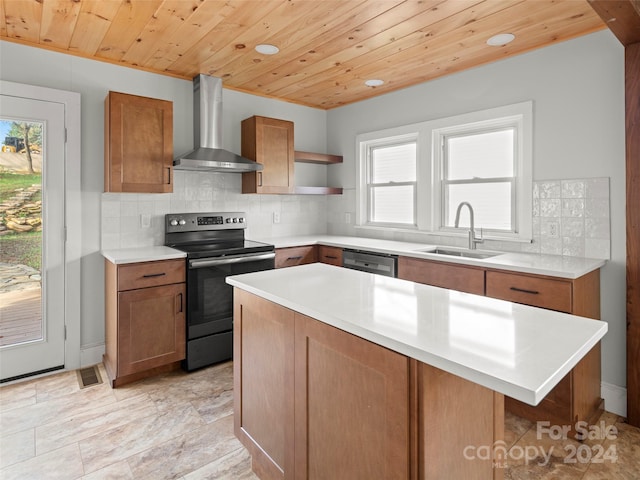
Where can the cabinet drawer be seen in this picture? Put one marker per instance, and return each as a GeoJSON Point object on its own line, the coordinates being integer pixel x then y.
{"type": "Point", "coordinates": [151, 274]}
{"type": "Point", "coordinates": [538, 292]}
{"type": "Point", "coordinates": [289, 257]}
{"type": "Point", "coordinates": [330, 255]}
{"type": "Point", "coordinates": [439, 274]}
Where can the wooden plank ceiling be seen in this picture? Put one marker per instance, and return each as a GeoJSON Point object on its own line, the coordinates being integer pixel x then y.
{"type": "Point", "coordinates": [328, 48]}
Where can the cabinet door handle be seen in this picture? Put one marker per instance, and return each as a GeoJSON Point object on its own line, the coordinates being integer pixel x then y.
{"type": "Point", "coordinates": [332, 257]}
{"type": "Point", "coordinates": [152, 275]}
{"type": "Point", "coordinates": [522, 290]}
{"type": "Point", "coordinates": [168, 175]}
{"type": "Point", "coordinates": [179, 296]}
{"type": "Point", "coordinates": [259, 179]}
{"type": "Point", "coordinates": [294, 258]}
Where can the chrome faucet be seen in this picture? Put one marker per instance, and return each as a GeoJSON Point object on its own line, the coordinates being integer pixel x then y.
{"type": "Point", "coordinates": [473, 240]}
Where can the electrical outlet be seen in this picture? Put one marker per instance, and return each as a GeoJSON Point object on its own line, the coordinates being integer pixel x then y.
{"type": "Point", "coordinates": [347, 217]}
{"type": "Point", "coordinates": [276, 217]}
{"type": "Point", "coordinates": [553, 229]}
{"type": "Point", "coordinates": [145, 220]}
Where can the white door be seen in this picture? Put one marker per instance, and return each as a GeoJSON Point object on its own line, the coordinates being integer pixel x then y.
{"type": "Point", "coordinates": [43, 350]}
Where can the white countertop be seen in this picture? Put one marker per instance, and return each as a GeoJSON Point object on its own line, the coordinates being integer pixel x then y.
{"type": "Point", "coordinates": [539, 264]}
{"type": "Point", "coordinates": [141, 254]}
{"type": "Point", "coordinates": [517, 350]}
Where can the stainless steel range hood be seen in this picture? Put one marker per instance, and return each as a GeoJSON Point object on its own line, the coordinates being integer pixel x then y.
{"type": "Point", "coordinates": [207, 133]}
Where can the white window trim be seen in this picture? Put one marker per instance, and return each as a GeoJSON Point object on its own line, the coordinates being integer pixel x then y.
{"type": "Point", "coordinates": [429, 161]}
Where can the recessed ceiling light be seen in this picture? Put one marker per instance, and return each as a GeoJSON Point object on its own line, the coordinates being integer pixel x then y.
{"type": "Point", "coordinates": [374, 82]}
{"type": "Point", "coordinates": [267, 49]}
{"type": "Point", "coordinates": [501, 39]}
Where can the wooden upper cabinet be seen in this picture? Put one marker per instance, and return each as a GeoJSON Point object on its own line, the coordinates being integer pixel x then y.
{"type": "Point", "coordinates": [138, 144]}
{"type": "Point", "coordinates": [268, 141]}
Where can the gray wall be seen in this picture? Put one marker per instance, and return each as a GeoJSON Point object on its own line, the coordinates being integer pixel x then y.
{"type": "Point", "coordinates": [577, 88]}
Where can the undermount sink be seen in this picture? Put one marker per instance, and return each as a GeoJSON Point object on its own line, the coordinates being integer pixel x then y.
{"type": "Point", "coordinates": [462, 253]}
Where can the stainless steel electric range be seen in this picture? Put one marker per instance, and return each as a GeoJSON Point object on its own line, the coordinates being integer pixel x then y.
{"type": "Point", "coordinates": [215, 248]}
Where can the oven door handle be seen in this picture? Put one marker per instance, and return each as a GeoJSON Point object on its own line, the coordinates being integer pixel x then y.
{"type": "Point", "coordinates": [212, 262]}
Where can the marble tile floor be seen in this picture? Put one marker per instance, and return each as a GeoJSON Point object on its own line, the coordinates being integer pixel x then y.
{"type": "Point", "coordinates": [177, 426]}
{"type": "Point", "coordinates": [180, 426]}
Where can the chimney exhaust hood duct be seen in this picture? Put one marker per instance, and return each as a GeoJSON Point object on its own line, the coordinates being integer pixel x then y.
{"type": "Point", "coordinates": [208, 155]}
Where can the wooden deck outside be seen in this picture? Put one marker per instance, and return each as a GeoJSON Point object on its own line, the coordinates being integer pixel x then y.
{"type": "Point", "coordinates": [20, 316]}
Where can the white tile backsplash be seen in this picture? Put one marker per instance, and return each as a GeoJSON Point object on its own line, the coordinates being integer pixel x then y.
{"type": "Point", "coordinates": [570, 217]}
{"type": "Point", "coordinates": [208, 192]}
{"type": "Point", "coordinates": [580, 227]}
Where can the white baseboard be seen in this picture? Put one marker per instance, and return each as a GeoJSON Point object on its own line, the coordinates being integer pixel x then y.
{"type": "Point", "coordinates": [91, 354]}
{"type": "Point", "coordinates": [615, 398]}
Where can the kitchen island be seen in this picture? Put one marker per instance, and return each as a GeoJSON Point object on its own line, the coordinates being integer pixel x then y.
{"type": "Point", "coordinates": [344, 374]}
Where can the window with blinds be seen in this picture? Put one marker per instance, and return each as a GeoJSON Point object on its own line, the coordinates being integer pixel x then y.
{"type": "Point", "coordinates": [392, 184]}
{"type": "Point", "coordinates": [412, 178]}
{"type": "Point", "coordinates": [479, 168]}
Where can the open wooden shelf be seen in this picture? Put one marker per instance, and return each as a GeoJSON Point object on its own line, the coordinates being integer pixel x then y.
{"type": "Point", "coordinates": [321, 158]}
{"type": "Point", "coordinates": [317, 190]}
{"type": "Point", "coordinates": [318, 159]}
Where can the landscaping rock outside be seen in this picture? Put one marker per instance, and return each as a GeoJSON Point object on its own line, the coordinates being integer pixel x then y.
{"type": "Point", "coordinates": [19, 214]}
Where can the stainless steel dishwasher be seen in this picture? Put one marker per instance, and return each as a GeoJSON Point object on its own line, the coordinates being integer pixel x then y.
{"type": "Point", "coordinates": [372, 262]}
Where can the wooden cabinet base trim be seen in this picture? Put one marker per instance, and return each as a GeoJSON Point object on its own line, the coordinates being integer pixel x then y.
{"type": "Point", "coordinates": [134, 377]}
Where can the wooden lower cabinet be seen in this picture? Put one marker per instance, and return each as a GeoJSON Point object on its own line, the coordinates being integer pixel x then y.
{"type": "Point", "coordinates": [440, 274]}
{"type": "Point", "coordinates": [263, 375]}
{"type": "Point", "coordinates": [351, 406]}
{"type": "Point", "coordinates": [330, 255]}
{"type": "Point", "coordinates": [446, 449]}
{"type": "Point", "coordinates": [314, 402]}
{"type": "Point", "coordinates": [577, 397]}
{"type": "Point", "coordinates": [144, 319]}
{"type": "Point", "coordinates": [292, 256]}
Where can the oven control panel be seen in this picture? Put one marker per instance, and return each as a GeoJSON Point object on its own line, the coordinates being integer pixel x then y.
{"type": "Point", "coordinates": [191, 222]}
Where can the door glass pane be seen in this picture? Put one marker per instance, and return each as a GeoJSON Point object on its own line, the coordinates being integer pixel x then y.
{"type": "Point", "coordinates": [491, 205]}
{"type": "Point", "coordinates": [20, 231]}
